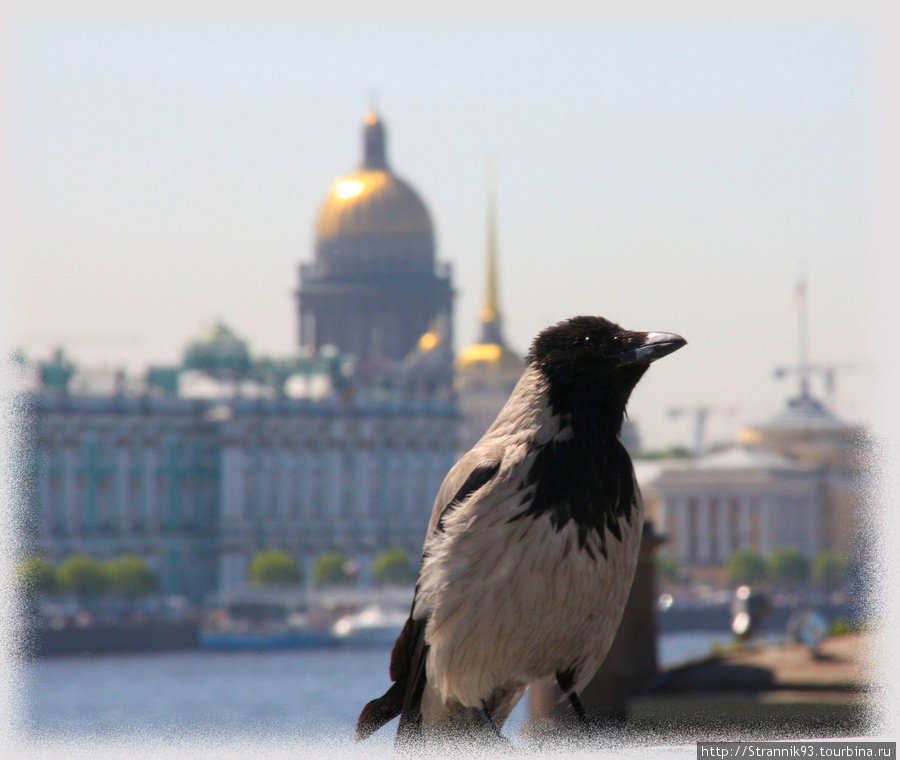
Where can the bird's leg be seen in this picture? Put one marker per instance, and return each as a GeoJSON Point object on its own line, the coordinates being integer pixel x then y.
{"type": "Point", "coordinates": [565, 679]}
{"type": "Point", "coordinates": [489, 721]}
{"type": "Point", "coordinates": [579, 710]}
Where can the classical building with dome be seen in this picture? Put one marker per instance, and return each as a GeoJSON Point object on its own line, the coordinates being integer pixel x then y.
{"type": "Point", "coordinates": [374, 287]}
{"type": "Point", "coordinates": [798, 479]}
{"type": "Point", "coordinates": [342, 446]}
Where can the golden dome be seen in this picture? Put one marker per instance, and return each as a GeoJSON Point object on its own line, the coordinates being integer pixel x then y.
{"type": "Point", "coordinates": [490, 356]}
{"type": "Point", "coordinates": [372, 203]}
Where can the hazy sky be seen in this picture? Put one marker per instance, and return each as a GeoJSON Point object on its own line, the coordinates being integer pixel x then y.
{"type": "Point", "coordinates": [669, 174]}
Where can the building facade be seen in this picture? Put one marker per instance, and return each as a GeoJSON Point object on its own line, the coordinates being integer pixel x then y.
{"type": "Point", "coordinates": [198, 487]}
{"type": "Point", "coordinates": [809, 433]}
{"type": "Point", "coordinates": [738, 499]}
{"type": "Point", "coordinates": [797, 480]}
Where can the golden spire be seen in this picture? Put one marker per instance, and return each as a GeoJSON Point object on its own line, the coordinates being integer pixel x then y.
{"type": "Point", "coordinates": [490, 314]}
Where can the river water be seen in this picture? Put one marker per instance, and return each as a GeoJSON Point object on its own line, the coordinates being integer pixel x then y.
{"type": "Point", "coordinates": [311, 694]}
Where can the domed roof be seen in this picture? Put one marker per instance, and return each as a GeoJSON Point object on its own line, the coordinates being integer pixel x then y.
{"type": "Point", "coordinates": [217, 349]}
{"type": "Point", "coordinates": [372, 202]}
{"type": "Point", "coordinates": [491, 356]}
{"type": "Point", "coordinates": [804, 414]}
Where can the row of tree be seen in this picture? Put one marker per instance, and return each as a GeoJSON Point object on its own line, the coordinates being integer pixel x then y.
{"type": "Point", "coordinates": [274, 567]}
{"type": "Point", "coordinates": [127, 576]}
{"type": "Point", "coordinates": [130, 577]}
{"type": "Point", "coordinates": [785, 568]}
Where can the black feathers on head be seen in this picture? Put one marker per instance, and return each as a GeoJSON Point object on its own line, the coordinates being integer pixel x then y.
{"type": "Point", "coordinates": [582, 356]}
{"type": "Point", "coordinates": [577, 335]}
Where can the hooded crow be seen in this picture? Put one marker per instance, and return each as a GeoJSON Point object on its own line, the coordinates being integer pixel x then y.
{"type": "Point", "coordinates": [532, 545]}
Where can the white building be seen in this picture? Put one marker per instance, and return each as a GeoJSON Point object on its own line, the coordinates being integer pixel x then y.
{"type": "Point", "coordinates": [738, 498]}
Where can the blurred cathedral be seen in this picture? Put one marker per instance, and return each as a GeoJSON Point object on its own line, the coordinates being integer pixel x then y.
{"type": "Point", "coordinates": [199, 466]}
{"type": "Point", "coordinates": [341, 446]}
{"type": "Point", "coordinates": [375, 289]}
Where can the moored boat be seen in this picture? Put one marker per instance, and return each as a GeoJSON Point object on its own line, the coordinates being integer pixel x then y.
{"type": "Point", "coordinates": [372, 626]}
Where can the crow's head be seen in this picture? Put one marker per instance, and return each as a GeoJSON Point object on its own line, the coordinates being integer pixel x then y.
{"type": "Point", "coordinates": [585, 353]}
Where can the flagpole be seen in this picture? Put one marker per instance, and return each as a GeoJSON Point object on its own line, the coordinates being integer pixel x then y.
{"type": "Point", "coordinates": [803, 331]}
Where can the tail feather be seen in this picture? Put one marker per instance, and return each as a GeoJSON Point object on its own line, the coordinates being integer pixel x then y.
{"type": "Point", "coordinates": [380, 711]}
{"type": "Point", "coordinates": [404, 698]}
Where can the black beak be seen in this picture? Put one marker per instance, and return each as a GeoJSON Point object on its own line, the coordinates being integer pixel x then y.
{"type": "Point", "coordinates": [655, 346]}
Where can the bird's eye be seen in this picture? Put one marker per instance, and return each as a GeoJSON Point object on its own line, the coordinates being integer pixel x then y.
{"type": "Point", "coordinates": [586, 341]}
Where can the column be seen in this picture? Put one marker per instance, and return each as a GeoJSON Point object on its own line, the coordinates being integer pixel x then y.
{"type": "Point", "coordinates": [685, 552]}
{"type": "Point", "coordinates": [232, 482]}
{"type": "Point", "coordinates": [44, 503]}
{"type": "Point", "coordinates": [723, 504]}
{"type": "Point", "coordinates": [409, 473]}
{"type": "Point", "coordinates": [810, 518]}
{"type": "Point", "coordinates": [304, 495]}
{"type": "Point", "coordinates": [744, 532]}
{"type": "Point", "coordinates": [123, 497]}
{"type": "Point", "coordinates": [362, 476]}
{"type": "Point", "coordinates": [268, 468]}
{"type": "Point", "coordinates": [151, 481]}
{"type": "Point", "coordinates": [332, 496]}
{"type": "Point", "coordinates": [69, 496]}
{"type": "Point", "coordinates": [703, 550]}
{"type": "Point", "coordinates": [766, 540]}
{"type": "Point", "coordinates": [285, 476]}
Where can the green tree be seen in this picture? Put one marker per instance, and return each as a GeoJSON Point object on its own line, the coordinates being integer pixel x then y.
{"type": "Point", "coordinates": [130, 576]}
{"type": "Point", "coordinates": [273, 567]}
{"type": "Point", "coordinates": [84, 576]}
{"type": "Point", "coordinates": [829, 570]}
{"type": "Point", "coordinates": [393, 566]}
{"type": "Point", "coordinates": [745, 566]}
{"type": "Point", "coordinates": [788, 568]}
{"type": "Point", "coordinates": [333, 568]}
{"type": "Point", "coordinates": [35, 577]}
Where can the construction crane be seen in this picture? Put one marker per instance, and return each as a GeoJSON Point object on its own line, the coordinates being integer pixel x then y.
{"type": "Point", "coordinates": [700, 415]}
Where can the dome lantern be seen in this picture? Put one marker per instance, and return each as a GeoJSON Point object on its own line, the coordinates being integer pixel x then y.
{"type": "Point", "coordinates": [374, 143]}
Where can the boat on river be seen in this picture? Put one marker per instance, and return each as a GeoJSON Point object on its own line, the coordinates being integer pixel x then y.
{"type": "Point", "coordinates": [259, 625]}
{"type": "Point", "coordinates": [372, 626]}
